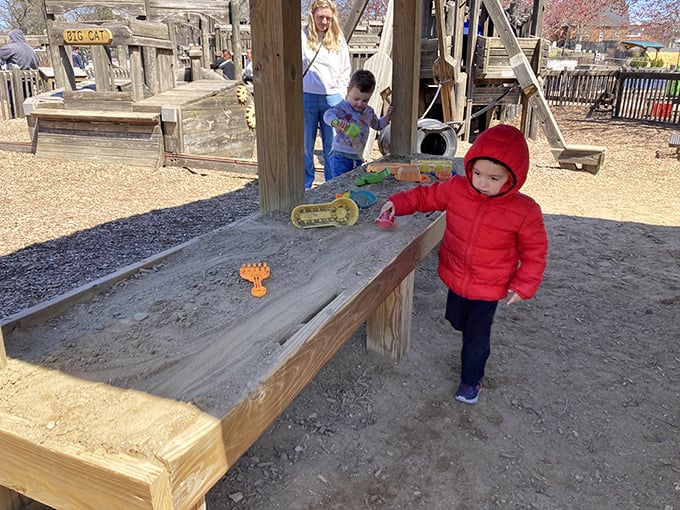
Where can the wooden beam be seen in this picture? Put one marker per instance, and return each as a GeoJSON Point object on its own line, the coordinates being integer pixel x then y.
{"type": "Point", "coordinates": [388, 329]}
{"type": "Point", "coordinates": [277, 77]}
{"type": "Point", "coordinates": [135, 458]}
{"type": "Point", "coordinates": [406, 72]}
{"type": "Point", "coordinates": [353, 18]}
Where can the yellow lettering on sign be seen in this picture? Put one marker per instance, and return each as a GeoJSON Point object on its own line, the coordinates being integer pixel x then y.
{"type": "Point", "coordinates": [85, 36]}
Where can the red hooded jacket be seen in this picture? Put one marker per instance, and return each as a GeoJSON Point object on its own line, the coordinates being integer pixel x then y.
{"type": "Point", "coordinates": [491, 244]}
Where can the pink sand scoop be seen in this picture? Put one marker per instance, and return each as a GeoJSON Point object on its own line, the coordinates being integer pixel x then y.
{"type": "Point", "coordinates": [385, 220]}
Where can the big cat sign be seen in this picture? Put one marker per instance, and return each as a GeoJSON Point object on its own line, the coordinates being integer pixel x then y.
{"type": "Point", "coordinates": [84, 36]}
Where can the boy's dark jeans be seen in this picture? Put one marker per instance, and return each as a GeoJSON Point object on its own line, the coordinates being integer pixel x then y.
{"type": "Point", "coordinates": [473, 318]}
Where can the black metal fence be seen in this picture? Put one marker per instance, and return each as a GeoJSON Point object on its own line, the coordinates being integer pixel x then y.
{"type": "Point", "coordinates": [642, 95]}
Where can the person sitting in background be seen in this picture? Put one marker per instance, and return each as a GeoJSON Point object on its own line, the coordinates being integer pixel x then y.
{"type": "Point", "coordinates": [225, 63]}
{"type": "Point", "coordinates": [248, 69]}
{"type": "Point", "coordinates": [17, 51]}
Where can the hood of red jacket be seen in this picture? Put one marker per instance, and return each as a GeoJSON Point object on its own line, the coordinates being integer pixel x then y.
{"type": "Point", "coordinates": [506, 145]}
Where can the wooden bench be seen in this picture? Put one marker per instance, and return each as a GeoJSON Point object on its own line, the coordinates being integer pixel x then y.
{"type": "Point", "coordinates": [142, 394]}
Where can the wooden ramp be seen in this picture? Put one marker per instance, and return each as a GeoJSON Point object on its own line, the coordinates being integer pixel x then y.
{"type": "Point", "coordinates": [588, 157]}
{"type": "Point", "coordinates": [200, 117]}
{"type": "Point", "coordinates": [114, 402]}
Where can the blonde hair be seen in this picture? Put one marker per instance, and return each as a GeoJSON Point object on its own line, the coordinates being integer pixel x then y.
{"type": "Point", "coordinates": [331, 40]}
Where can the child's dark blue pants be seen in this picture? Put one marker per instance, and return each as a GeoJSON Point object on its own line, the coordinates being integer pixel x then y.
{"type": "Point", "coordinates": [472, 317]}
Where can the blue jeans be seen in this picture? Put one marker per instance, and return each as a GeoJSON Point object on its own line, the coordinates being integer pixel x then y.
{"type": "Point", "coordinates": [473, 318]}
{"type": "Point", "coordinates": [341, 164]}
{"type": "Point", "coordinates": [315, 105]}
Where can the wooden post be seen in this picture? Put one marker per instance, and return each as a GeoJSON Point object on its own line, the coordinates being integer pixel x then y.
{"type": "Point", "coordinates": [353, 18]}
{"type": "Point", "coordinates": [388, 330]}
{"type": "Point", "coordinates": [136, 73]}
{"type": "Point", "coordinates": [195, 54]}
{"type": "Point", "coordinates": [235, 20]}
{"type": "Point", "coordinates": [405, 76]}
{"type": "Point", "coordinates": [103, 73]}
{"type": "Point", "coordinates": [473, 16]}
{"type": "Point", "coordinates": [277, 76]}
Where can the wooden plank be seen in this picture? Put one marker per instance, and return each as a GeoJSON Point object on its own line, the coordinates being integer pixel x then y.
{"type": "Point", "coordinates": [76, 137]}
{"type": "Point", "coordinates": [388, 329]}
{"type": "Point", "coordinates": [62, 6]}
{"type": "Point", "coordinates": [98, 116]}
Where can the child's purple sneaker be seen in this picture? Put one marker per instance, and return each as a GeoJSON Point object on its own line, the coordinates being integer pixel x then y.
{"type": "Point", "coordinates": [468, 394]}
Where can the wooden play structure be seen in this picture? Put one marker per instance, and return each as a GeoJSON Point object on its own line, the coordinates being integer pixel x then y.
{"type": "Point", "coordinates": [162, 434]}
{"type": "Point", "coordinates": [495, 67]}
{"type": "Point", "coordinates": [150, 118]}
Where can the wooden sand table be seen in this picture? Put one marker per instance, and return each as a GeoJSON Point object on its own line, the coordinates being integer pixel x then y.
{"type": "Point", "coordinates": [143, 395]}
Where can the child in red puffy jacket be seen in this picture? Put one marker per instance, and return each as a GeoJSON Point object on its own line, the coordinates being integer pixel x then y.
{"type": "Point", "coordinates": [494, 245]}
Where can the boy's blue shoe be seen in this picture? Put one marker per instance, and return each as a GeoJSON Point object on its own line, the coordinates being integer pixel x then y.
{"type": "Point", "coordinates": [468, 394]}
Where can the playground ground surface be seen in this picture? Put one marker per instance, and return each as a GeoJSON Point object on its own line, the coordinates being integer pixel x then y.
{"type": "Point", "coordinates": [581, 399]}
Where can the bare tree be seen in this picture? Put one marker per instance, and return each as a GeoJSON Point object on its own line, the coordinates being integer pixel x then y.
{"type": "Point", "coordinates": [26, 15]}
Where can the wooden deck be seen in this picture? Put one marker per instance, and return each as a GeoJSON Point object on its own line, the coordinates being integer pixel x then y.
{"type": "Point", "coordinates": [151, 390]}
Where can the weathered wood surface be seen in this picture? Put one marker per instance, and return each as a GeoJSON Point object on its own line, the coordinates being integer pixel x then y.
{"type": "Point", "coordinates": [205, 340]}
{"type": "Point", "coordinates": [492, 61]}
{"type": "Point", "coordinates": [136, 8]}
{"type": "Point", "coordinates": [148, 452]}
{"type": "Point", "coordinates": [132, 138]}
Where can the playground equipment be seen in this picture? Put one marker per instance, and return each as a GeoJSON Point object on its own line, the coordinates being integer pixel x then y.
{"type": "Point", "coordinates": [150, 117]}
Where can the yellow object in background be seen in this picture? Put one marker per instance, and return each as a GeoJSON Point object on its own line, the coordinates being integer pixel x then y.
{"type": "Point", "coordinates": [433, 165]}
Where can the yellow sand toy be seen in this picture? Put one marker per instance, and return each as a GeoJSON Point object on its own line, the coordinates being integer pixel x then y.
{"type": "Point", "coordinates": [255, 273]}
{"type": "Point", "coordinates": [338, 213]}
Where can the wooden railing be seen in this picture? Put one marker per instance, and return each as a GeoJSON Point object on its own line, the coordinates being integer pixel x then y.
{"type": "Point", "coordinates": [15, 86]}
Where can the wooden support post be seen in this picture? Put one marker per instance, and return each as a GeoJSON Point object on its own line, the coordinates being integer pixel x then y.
{"type": "Point", "coordinates": [235, 20]}
{"type": "Point", "coordinates": [136, 73]}
{"type": "Point", "coordinates": [406, 72]}
{"type": "Point", "coordinates": [103, 72]}
{"type": "Point", "coordinates": [195, 55]}
{"type": "Point", "coordinates": [353, 18]}
{"type": "Point", "coordinates": [389, 328]}
{"type": "Point", "coordinates": [151, 71]}
{"type": "Point", "coordinates": [469, 67]}
{"type": "Point", "coordinates": [277, 76]}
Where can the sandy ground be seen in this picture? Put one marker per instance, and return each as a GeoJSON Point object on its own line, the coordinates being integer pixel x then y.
{"type": "Point", "coordinates": [580, 405]}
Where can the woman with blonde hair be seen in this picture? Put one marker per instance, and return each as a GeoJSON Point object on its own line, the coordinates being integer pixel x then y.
{"type": "Point", "coordinates": [326, 72]}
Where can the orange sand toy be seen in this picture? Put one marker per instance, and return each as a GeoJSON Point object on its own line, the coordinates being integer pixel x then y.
{"type": "Point", "coordinates": [410, 173]}
{"type": "Point", "coordinates": [255, 273]}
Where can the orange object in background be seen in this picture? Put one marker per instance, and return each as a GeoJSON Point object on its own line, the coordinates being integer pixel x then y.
{"type": "Point", "coordinates": [410, 173]}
